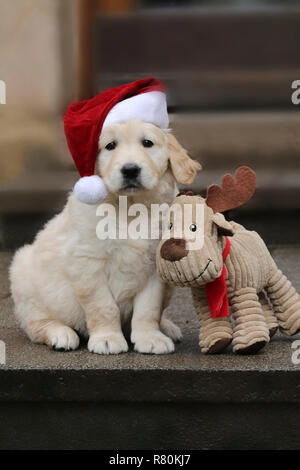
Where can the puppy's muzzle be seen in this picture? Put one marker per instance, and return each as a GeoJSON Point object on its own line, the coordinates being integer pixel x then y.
{"type": "Point", "coordinates": [174, 249]}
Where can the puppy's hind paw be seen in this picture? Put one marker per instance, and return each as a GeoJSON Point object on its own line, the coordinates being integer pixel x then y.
{"type": "Point", "coordinates": [63, 338]}
{"type": "Point", "coordinates": [171, 330]}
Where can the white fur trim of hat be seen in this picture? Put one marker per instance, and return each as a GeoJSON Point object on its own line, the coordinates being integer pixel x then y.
{"type": "Point", "coordinates": [149, 107]}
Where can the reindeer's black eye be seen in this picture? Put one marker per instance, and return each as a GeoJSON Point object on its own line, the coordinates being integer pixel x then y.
{"type": "Point", "coordinates": [193, 228]}
{"type": "Point", "coordinates": [111, 146]}
{"type": "Point", "coordinates": [170, 226]}
{"type": "Point", "coordinates": [147, 143]}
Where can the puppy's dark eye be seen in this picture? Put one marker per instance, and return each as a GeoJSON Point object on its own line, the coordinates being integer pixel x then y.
{"type": "Point", "coordinates": [111, 146]}
{"type": "Point", "coordinates": [147, 143]}
{"type": "Point", "coordinates": [170, 226]}
{"type": "Point", "coordinates": [193, 228]}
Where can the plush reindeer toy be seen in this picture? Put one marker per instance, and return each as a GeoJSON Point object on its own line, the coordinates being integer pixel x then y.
{"type": "Point", "coordinates": [227, 265]}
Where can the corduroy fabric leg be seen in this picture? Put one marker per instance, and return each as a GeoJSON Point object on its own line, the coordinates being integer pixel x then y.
{"type": "Point", "coordinates": [269, 315]}
{"type": "Point", "coordinates": [215, 333]}
{"type": "Point", "coordinates": [250, 332]}
{"type": "Point", "coordinates": [285, 301]}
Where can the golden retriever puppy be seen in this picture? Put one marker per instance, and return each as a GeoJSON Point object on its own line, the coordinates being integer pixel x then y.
{"type": "Point", "coordinates": [73, 279]}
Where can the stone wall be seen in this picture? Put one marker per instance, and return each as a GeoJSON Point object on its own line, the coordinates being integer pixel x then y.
{"type": "Point", "coordinates": [38, 43]}
{"type": "Point", "coordinates": [37, 53]}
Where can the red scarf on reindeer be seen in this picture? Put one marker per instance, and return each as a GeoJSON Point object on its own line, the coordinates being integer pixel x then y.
{"type": "Point", "coordinates": [216, 291]}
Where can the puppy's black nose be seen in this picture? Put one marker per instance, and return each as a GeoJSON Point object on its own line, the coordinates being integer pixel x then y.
{"type": "Point", "coordinates": [130, 170]}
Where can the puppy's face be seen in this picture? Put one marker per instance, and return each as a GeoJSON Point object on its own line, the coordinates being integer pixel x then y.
{"type": "Point", "coordinates": [133, 156]}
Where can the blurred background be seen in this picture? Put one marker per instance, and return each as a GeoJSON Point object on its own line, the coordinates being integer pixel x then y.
{"type": "Point", "coordinates": [228, 67]}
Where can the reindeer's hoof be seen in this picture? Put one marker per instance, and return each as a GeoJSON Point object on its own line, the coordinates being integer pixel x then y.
{"type": "Point", "coordinates": [219, 346]}
{"type": "Point", "coordinates": [272, 331]}
{"type": "Point", "coordinates": [252, 349]}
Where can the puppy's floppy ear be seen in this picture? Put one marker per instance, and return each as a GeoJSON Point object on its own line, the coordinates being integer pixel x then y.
{"type": "Point", "coordinates": [183, 167]}
{"type": "Point", "coordinates": [224, 227]}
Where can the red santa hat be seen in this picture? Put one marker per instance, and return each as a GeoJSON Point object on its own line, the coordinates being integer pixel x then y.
{"type": "Point", "coordinates": [143, 99]}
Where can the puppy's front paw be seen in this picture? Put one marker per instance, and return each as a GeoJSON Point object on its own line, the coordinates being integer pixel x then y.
{"type": "Point", "coordinates": [153, 342]}
{"type": "Point", "coordinates": [113, 343]}
{"type": "Point", "coordinates": [63, 338]}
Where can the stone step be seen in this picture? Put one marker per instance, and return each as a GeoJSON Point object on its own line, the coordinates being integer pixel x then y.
{"type": "Point", "coordinates": [277, 188]}
{"type": "Point", "coordinates": [276, 227]}
{"type": "Point", "coordinates": [262, 139]}
{"type": "Point", "coordinates": [180, 401]}
{"type": "Point", "coordinates": [28, 203]}
{"type": "Point", "coordinates": [38, 173]}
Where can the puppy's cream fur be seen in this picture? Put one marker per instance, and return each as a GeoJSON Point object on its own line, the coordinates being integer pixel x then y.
{"type": "Point", "coordinates": [69, 279]}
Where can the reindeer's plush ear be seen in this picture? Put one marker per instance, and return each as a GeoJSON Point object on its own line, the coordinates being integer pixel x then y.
{"type": "Point", "coordinates": [183, 167]}
{"type": "Point", "coordinates": [224, 227]}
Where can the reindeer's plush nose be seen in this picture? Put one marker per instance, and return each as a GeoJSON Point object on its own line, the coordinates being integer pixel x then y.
{"type": "Point", "coordinates": [173, 249]}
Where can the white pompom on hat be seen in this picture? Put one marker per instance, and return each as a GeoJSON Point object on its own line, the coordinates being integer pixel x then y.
{"type": "Point", "coordinates": [143, 99]}
{"type": "Point", "coordinates": [90, 189]}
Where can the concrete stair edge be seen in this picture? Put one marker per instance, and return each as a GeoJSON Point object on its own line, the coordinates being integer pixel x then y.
{"type": "Point", "coordinates": [33, 373]}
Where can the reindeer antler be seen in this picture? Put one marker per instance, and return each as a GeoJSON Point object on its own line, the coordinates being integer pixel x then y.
{"type": "Point", "coordinates": [233, 193]}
